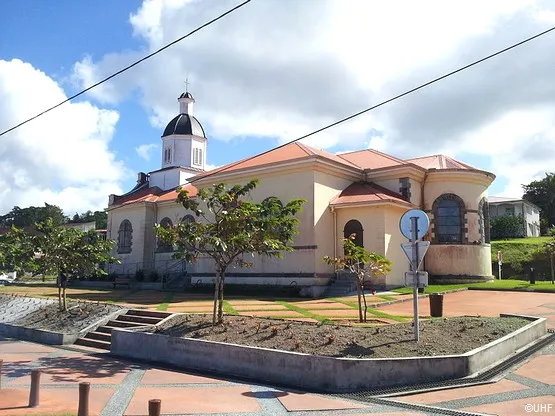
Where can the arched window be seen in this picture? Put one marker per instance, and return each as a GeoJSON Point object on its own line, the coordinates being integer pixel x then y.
{"type": "Point", "coordinates": [448, 212]}
{"type": "Point", "coordinates": [485, 228]}
{"type": "Point", "coordinates": [354, 227]}
{"type": "Point", "coordinates": [125, 237]}
{"type": "Point", "coordinates": [188, 219]}
{"type": "Point", "coordinates": [164, 247]}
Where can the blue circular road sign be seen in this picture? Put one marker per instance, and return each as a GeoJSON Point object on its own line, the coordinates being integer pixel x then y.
{"type": "Point", "coordinates": [405, 224]}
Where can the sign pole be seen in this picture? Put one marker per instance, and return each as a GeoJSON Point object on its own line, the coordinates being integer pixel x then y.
{"type": "Point", "coordinates": [500, 262]}
{"type": "Point", "coordinates": [414, 267]}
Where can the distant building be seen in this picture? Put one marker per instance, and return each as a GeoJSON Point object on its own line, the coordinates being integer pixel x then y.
{"type": "Point", "coordinates": [82, 226]}
{"type": "Point", "coordinates": [499, 206]}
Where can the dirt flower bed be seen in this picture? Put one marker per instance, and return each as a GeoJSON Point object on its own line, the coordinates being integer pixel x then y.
{"type": "Point", "coordinates": [77, 317]}
{"type": "Point", "coordinates": [438, 337]}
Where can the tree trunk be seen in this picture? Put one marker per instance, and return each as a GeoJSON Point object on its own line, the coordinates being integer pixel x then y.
{"type": "Point", "coordinates": [60, 305]}
{"type": "Point", "coordinates": [64, 298]}
{"type": "Point", "coordinates": [216, 296]}
{"type": "Point", "coordinates": [221, 299]}
{"type": "Point", "coordinates": [364, 300]}
{"type": "Point", "coordinates": [359, 293]}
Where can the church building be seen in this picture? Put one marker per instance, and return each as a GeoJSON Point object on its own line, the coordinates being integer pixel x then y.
{"type": "Point", "coordinates": [364, 192]}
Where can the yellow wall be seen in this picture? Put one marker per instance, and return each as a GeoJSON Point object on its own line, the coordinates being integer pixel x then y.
{"type": "Point", "coordinates": [136, 214]}
{"type": "Point", "coordinates": [326, 188]}
{"type": "Point", "coordinates": [393, 251]}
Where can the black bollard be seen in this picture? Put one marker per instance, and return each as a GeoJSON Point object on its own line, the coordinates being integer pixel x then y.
{"type": "Point", "coordinates": [532, 276]}
{"type": "Point", "coordinates": [35, 385]}
{"type": "Point", "coordinates": [84, 390]}
{"type": "Point", "coordinates": [154, 407]}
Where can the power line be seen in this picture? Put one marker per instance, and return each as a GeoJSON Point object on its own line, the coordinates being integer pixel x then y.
{"type": "Point", "coordinates": [391, 99]}
{"type": "Point", "coordinates": [129, 66]}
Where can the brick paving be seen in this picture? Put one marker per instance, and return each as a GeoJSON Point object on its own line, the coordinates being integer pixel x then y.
{"type": "Point", "coordinates": [120, 387]}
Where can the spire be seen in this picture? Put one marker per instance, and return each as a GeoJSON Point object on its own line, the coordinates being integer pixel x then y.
{"type": "Point", "coordinates": [186, 100]}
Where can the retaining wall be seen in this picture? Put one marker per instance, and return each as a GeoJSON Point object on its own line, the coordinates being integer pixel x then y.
{"type": "Point", "coordinates": [314, 372]}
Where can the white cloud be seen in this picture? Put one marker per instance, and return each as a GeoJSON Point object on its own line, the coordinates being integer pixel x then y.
{"type": "Point", "coordinates": [63, 157]}
{"type": "Point", "coordinates": [274, 71]}
{"type": "Point", "coordinates": [144, 150]}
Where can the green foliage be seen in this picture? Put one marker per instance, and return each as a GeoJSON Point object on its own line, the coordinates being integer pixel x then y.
{"type": "Point", "coordinates": [16, 251]}
{"type": "Point", "coordinates": [542, 194]}
{"type": "Point", "coordinates": [507, 226]}
{"type": "Point", "coordinates": [28, 217]}
{"type": "Point", "coordinates": [230, 227]}
{"type": "Point", "coordinates": [362, 264]}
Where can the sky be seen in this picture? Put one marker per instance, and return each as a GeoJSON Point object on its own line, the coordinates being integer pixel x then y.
{"type": "Point", "coordinates": [266, 74]}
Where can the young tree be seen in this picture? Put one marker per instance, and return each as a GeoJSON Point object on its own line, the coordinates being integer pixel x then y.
{"type": "Point", "coordinates": [361, 264]}
{"type": "Point", "coordinates": [231, 228]}
{"type": "Point", "coordinates": [68, 252]}
{"type": "Point", "coordinates": [16, 251]}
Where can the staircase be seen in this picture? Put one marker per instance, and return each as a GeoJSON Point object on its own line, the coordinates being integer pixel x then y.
{"type": "Point", "coordinates": [343, 285]}
{"type": "Point", "coordinates": [101, 337]}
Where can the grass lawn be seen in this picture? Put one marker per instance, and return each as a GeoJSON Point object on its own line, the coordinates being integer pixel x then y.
{"type": "Point", "coordinates": [516, 285]}
{"type": "Point", "coordinates": [495, 285]}
{"type": "Point", "coordinates": [528, 240]}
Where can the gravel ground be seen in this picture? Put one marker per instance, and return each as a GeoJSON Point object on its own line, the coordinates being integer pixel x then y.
{"type": "Point", "coordinates": [46, 314]}
{"type": "Point", "coordinates": [438, 337]}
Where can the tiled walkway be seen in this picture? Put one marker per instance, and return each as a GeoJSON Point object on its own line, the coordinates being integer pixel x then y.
{"type": "Point", "coordinates": [124, 388]}
{"type": "Point", "coordinates": [120, 387]}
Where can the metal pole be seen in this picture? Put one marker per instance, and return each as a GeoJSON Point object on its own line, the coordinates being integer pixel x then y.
{"type": "Point", "coordinates": [35, 384]}
{"type": "Point", "coordinates": [154, 407]}
{"type": "Point", "coordinates": [84, 390]}
{"type": "Point", "coordinates": [1, 362]}
{"type": "Point", "coordinates": [499, 270]}
{"type": "Point", "coordinates": [414, 267]}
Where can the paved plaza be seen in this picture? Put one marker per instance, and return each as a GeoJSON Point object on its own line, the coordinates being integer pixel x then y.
{"type": "Point", "coordinates": [120, 387]}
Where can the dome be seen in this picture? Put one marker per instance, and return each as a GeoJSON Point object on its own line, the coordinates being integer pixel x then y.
{"type": "Point", "coordinates": [184, 124]}
{"type": "Point", "coordinates": [186, 95]}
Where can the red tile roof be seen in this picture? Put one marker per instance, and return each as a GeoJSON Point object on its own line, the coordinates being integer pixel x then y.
{"type": "Point", "coordinates": [289, 152]}
{"type": "Point", "coordinates": [439, 162]}
{"type": "Point", "coordinates": [367, 192]}
{"type": "Point", "coordinates": [153, 194]}
{"type": "Point", "coordinates": [371, 159]}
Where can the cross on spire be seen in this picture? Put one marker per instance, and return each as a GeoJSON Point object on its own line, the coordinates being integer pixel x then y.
{"type": "Point", "coordinates": [187, 84]}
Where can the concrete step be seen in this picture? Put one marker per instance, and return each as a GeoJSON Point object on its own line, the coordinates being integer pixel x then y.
{"type": "Point", "coordinates": [123, 324]}
{"type": "Point", "coordinates": [150, 314]}
{"type": "Point", "coordinates": [144, 320]}
{"type": "Point", "coordinates": [95, 343]}
{"type": "Point", "coordinates": [101, 336]}
{"type": "Point", "coordinates": [105, 329]}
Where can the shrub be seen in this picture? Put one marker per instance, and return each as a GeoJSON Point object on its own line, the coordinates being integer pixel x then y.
{"type": "Point", "coordinates": [507, 226]}
{"type": "Point", "coordinates": [139, 275]}
{"type": "Point", "coordinates": [154, 276]}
